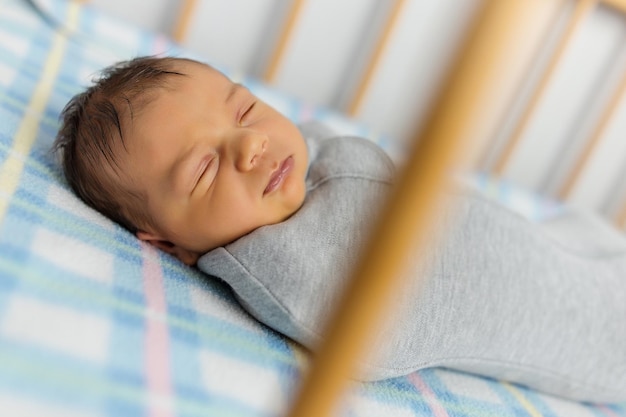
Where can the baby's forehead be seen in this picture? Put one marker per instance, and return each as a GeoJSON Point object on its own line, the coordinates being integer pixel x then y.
{"type": "Point", "coordinates": [164, 100]}
{"type": "Point", "coordinates": [134, 109]}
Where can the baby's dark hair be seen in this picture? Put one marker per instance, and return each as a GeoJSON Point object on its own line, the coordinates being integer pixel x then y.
{"type": "Point", "coordinates": [93, 128]}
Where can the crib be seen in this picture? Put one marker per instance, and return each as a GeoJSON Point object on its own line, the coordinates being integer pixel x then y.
{"type": "Point", "coordinates": [94, 323]}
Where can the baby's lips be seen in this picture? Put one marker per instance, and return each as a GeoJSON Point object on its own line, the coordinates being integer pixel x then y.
{"type": "Point", "coordinates": [278, 176]}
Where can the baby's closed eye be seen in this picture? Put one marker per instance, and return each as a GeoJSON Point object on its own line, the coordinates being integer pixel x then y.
{"type": "Point", "coordinates": [246, 115]}
{"type": "Point", "coordinates": [206, 172]}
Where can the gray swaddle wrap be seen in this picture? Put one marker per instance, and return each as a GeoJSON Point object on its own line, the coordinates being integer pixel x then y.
{"type": "Point", "coordinates": [542, 305]}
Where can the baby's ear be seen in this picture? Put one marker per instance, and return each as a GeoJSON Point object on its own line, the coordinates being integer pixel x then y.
{"type": "Point", "coordinates": [186, 256]}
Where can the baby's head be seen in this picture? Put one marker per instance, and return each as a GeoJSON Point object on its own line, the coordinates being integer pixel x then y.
{"type": "Point", "coordinates": [180, 155]}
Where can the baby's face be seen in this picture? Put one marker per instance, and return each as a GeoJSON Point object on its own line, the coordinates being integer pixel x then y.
{"type": "Point", "coordinates": [215, 163]}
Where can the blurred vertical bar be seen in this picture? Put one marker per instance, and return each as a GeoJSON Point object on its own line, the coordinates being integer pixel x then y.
{"type": "Point", "coordinates": [593, 141]}
{"type": "Point", "coordinates": [583, 8]}
{"type": "Point", "coordinates": [374, 61]}
{"type": "Point", "coordinates": [460, 115]}
{"type": "Point", "coordinates": [621, 220]}
{"type": "Point", "coordinates": [181, 26]}
{"type": "Point", "coordinates": [281, 45]}
{"type": "Point", "coordinates": [620, 5]}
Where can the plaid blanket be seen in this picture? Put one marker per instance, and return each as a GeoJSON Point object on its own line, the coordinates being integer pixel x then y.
{"type": "Point", "coordinates": [93, 323]}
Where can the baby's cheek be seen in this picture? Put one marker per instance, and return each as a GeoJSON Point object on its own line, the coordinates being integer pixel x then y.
{"type": "Point", "coordinates": [298, 194]}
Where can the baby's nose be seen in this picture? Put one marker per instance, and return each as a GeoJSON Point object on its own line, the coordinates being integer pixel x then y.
{"type": "Point", "coordinates": [251, 145]}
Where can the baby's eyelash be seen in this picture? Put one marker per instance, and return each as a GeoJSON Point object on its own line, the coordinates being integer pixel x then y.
{"type": "Point", "coordinates": [203, 169]}
{"type": "Point", "coordinates": [246, 112]}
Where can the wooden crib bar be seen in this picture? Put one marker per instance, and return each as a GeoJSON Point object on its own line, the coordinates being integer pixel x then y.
{"type": "Point", "coordinates": [620, 5]}
{"type": "Point", "coordinates": [281, 44]}
{"type": "Point", "coordinates": [375, 59]}
{"type": "Point", "coordinates": [457, 119]}
{"type": "Point", "coordinates": [621, 218]}
{"type": "Point", "coordinates": [594, 139]}
{"type": "Point", "coordinates": [583, 9]}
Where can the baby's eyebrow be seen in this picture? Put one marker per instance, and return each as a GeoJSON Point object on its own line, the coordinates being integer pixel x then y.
{"type": "Point", "coordinates": [232, 91]}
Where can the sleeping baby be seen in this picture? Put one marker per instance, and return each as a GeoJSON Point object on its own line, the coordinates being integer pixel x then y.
{"type": "Point", "coordinates": [199, 167]}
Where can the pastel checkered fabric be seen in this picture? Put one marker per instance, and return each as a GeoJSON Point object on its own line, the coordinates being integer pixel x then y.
{"type": "Point", "coordinates": [93, 323]}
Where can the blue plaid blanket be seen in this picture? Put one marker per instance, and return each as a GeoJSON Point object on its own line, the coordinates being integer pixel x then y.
{"type": "Point", "coordinates": [94, 323]}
